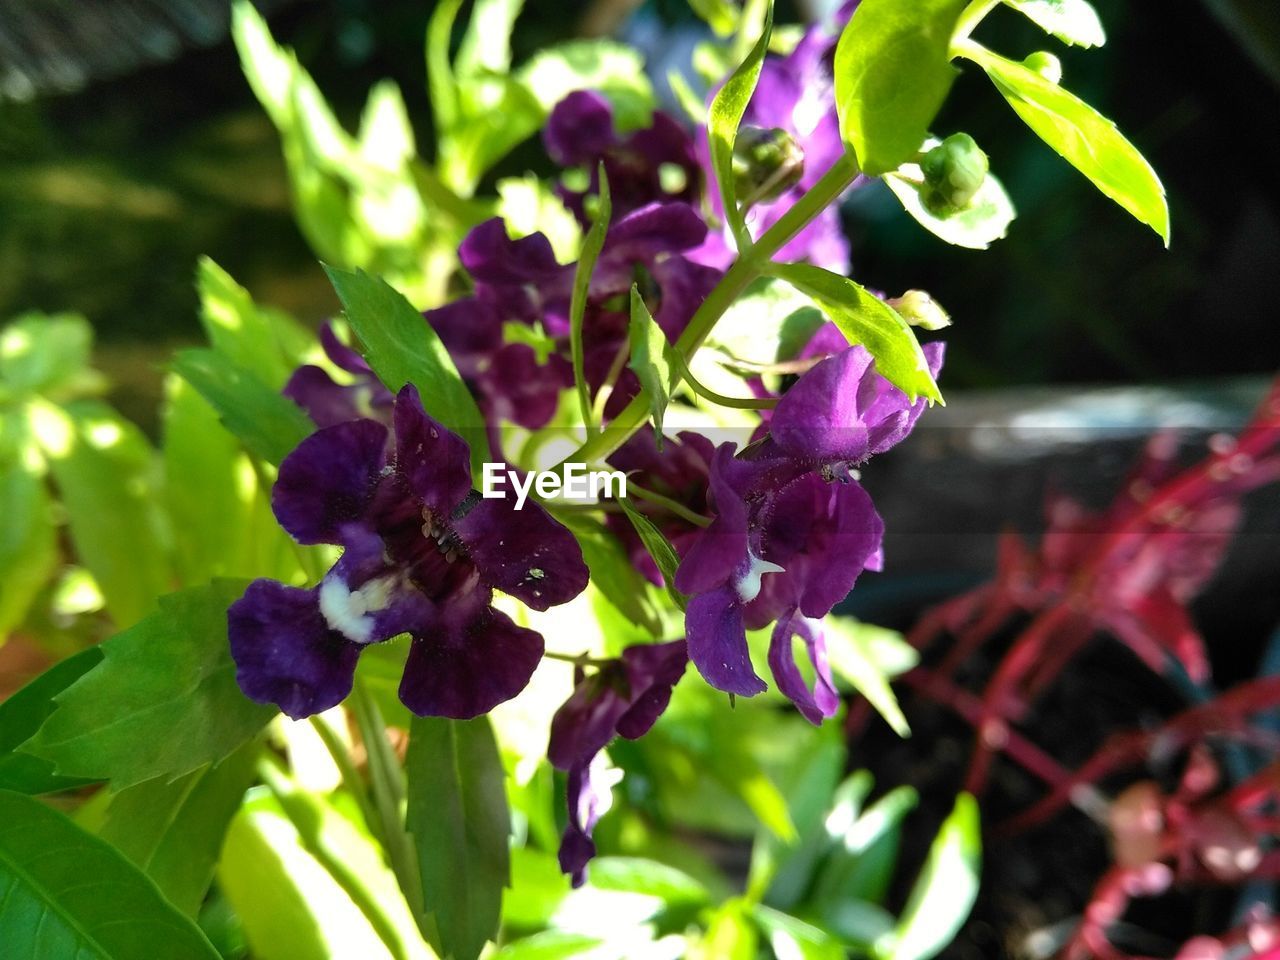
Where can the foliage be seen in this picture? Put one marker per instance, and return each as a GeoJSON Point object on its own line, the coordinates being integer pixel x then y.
{"type": "Point", "coordinates": [313, 689]}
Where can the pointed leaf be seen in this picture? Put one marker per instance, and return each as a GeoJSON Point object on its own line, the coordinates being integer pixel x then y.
{"type": "Point", "coordinates": [68, 894]}
{"type": "Point", "coordinates": [162, 703]}
{"type": "Point", "coordinates": [650, 359]}
{"type": "Point", "coordinates": [1082, 136]}
{"type": "Point", "coordinates": [866, 319]}
{"type": "Point", "coordinates": [460, 824]}
{"type": "Point", "coordinates": [659, 547]}
{"type": "Point", "coordinates": [1071, 21]}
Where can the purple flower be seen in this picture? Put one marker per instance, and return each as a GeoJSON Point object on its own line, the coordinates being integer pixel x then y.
{"type": "Point", "coordinates": [795, 93]}
{"type": "Point", "coordinates": [328, 402]}
{"type": "Point", "coordinates": [519, 281]}
{"type": "Point", "coordinates": [580, 133]}
{"type": "Point", "coordinates": [423, 555]}
{"type": "Point", "coordinates": [793, 529]}
{"type": "Point", "coordinates": [624, 697]}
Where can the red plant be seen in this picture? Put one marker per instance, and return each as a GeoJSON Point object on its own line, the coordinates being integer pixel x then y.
{"type": "Point", "coordinates": [1129, 573]}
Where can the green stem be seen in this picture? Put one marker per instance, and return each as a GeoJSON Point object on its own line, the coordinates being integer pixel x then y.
{"type": "Point", "coordinates": [744, 270]}
{"type": "Point", "coordinates": [388, 790]}
{"type": "Point", "coordinates": [969, 19]}
{"type": "Point", "coordinates": [589, 252]}
{"type": "Point", "coordinates": [351, 778]}
{"type": "Point", "coordinates": [675, 506]}
{"type": "Point", "coordinates": [702, 390]}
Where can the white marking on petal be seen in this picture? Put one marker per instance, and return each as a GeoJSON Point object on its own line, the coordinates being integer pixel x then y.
{"type": "Point", "coordinates": [748, 585]}
{"type": "Point", "coordinates": [350, 612]}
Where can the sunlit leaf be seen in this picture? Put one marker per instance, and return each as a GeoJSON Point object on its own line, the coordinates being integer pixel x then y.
{"type": "Point", "coordinates": [984, 220]}
{"type": "Point", "coordinates": [268, 423]}
{"type": "Point", "coordinates": [723, 120]}
{"type": "Point", "coordinates": [1071, 21]}
{"type": "Point", "coordinates": [892, 73]}
{"type": "Point", "coordinates": [946, 888]}
{"type": "Point", "coordinates": [1082, 136]}
{"type": "Point", "coordinates": [866, 319]}
{"type": "Point", "coordinates": [650, 360]}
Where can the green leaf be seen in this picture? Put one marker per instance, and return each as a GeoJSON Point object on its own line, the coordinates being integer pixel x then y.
{"type": "Point", "coordinates": [173, 830]}
{"type": "Point", "coordinates": [107, 478]}
{"type": "Point", "coordinates": [861, 865]}
{"type": "Point", "coordinates": [292, 906]}
{"type": "Point", "coordinates": [648, 878]}
{"type": "Point", "coordinates": [614, 575]}
{"type": "Point", "coordinates": [853, 661]}
{"type": "Point", "coordinates": [769, 323]}
{"type": "Point", "coordinates": [730, 935]}
{"type": "Point", "coordinates": [340, 843]}
{"type": "Point", "coordinates": [21, 715]}
{"type": "Point", "coordinates": [550, 945]}
{"type": "Point", "coordinates": [614, 70]}
{"type": "Point", "coordinates": [589, 252]}
{"type": "Point", "coordinates": [486, 45]}
{"type": "Point", "coordinates": [720, 15]}
{"type": "Point", "coordinates": [783, 869]}
{"type": "Point", "coordinates": [68, 894]}
{"type": "Point", "coordinates": [892, 73]}
{"type": "Point", "coordinates": [985, 219]}
{"type": "Point", "coordinates": [725, 116]}
{"type": "Point", "coordinates": [944, 891]}
{"type": "Point", "coordinates": [267, 343]}
{"type": "Point", "coordinates": [28, 540]}
{"type": "Point", "coordinates": [457, 814]}
{"type": "Point", "coordinates": [651, 360]}
{"type": "Point", "coordinates": [659, 547]}
{"type": "Point", "coordinates": [1082, 136]}
{"type": "Point", "coordinates": [403, 348]}
{"type": "Point", "coordinates": [47, 354]}
{"type": "Point", "coordinates": [1071, 21]}
{"type": "Point", "coordinates": [794, 938]}
{"type": "Point", "coordinates": [268, 423]}
{"type": "Point", "coordinates": [866, 319]}
{"type": "Point", "coordinates": [169, 683]}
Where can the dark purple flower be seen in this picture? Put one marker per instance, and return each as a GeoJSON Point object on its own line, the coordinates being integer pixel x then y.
{"type": "Point", "coordinates": [623, 697]}
{"type": "Point", "coordinates": [328, 402]}
{"type": "Point", "coordinates": [793, 529]}
{"type": "Point", "coordinates": [423, 555]}
{"type": "Point", "coordinates": [580, 133]}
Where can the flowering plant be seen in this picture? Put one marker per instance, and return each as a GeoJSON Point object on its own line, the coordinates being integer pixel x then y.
{"type": "Point", "coordinates": [484, 675]}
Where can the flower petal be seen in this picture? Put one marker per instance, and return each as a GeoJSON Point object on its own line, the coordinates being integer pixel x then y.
{"type": "Point", "coordinates": [474, 660]}
{"type": "Point", "coordinates": [434, 461]}
{"type": "Point", "coordinates": [719, 550]}
{"type": "Point", "coordinates": [590, 795]}
{"type": "Point", "coordinates": [718, 643]}
{"type": "Point", "coordinates": [844, 541]}
{"type": "Point", "coordinates": [525, 553]}
{"type": "Point", "coordinates": [285, 652]}
{"type": "Point", "coordinates": [328, 481]}
{"type": "Point", "coordinates": [822, 701]}
{"type": "Point", "coordinates": [492, 257]}
{"type": "Point", "coordinates": [579, 129]}
{"type": "Point", "coordinates": [652, 671]}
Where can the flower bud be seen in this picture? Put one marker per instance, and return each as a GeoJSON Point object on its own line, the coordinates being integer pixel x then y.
{"type": "Point", "coordinates": [954, 171]}
{"type": "Point", "coordinates": [767, 163]}
{"type": "Point", "coordinates": [1046, 64]}
{"type": "Point", "coordinates": [921, 310]}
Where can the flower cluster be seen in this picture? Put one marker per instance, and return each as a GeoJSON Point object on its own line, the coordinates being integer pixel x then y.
{"type": "Point", "coordinates": [773, 534]}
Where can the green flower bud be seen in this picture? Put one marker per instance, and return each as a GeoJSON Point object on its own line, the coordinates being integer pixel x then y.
{"type": "Point", "coordinates": [1046, 64]}
{"type": "Point", "coordinates": [954, 171]}
{"type": "Point", "coordinates": [921, 310]}
{"type": "Point", "coordinates": [767, 163]}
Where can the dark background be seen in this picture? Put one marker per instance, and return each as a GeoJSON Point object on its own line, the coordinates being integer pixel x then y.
{"type": "Point", "coordinates": [109, 193]}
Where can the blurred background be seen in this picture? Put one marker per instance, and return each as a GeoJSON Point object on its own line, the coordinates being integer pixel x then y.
{"type": "Point", "coordinates": [130, 144]}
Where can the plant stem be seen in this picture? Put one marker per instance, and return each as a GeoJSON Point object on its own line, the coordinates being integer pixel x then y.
{"type": "Point", "coordinates": [702, 390]}
{"type": "Point", "coordinates": [388, 790]}
{"type": "Point", "coordinates": [744, 270]}
{"type": "Point", "coordinates": [675, 506]}
{"type": "Point", "coordinates": [973, 15]}
{"type": "Point", "coordinates": [351, 778]}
